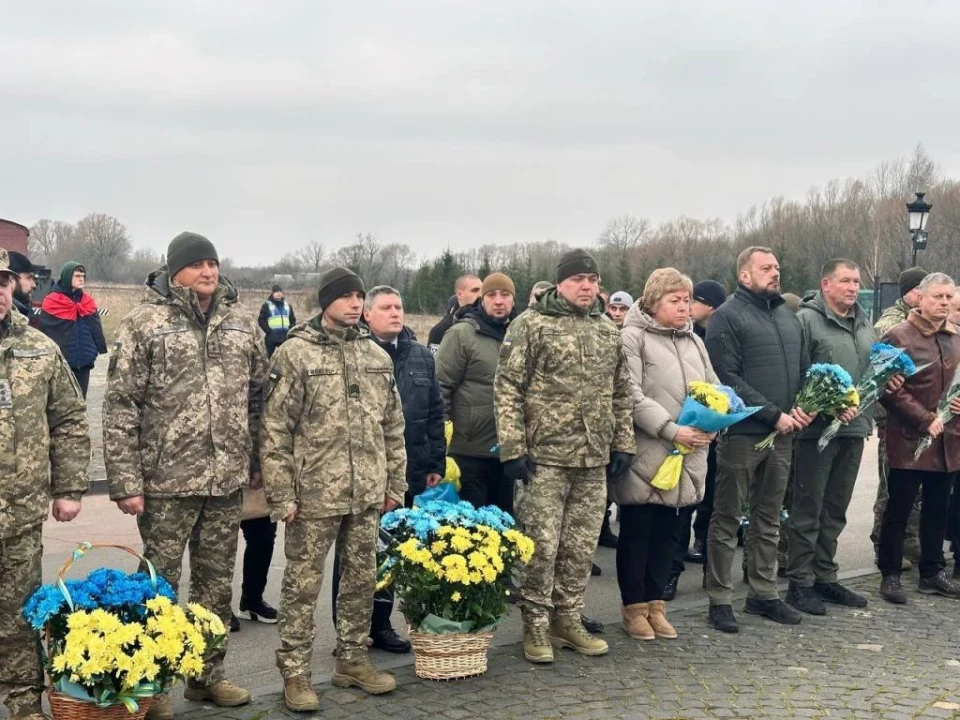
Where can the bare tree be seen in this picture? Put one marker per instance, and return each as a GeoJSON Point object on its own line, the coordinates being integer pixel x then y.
{"type": "Point", "coordinates": [624, 233]}
{"type": "Point", "coordinates": [312, 256]}
{"type": "Point", "coordinates": [103, 245]}
{"type": "Point", "coordinates": [50, 239]}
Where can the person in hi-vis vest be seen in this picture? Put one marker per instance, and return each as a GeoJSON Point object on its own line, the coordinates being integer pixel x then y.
{"type": "Point", "coordinates": [276, 319]}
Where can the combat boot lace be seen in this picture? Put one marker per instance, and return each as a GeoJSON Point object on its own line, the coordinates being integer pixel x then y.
{"type": "Point", "coordinates": [222, 693]}
{"type": "Point", "coordinates": [939, 584]}
{"type": "Point", "coordinates": [536, 645]}
{"type": "Point", "coordinates": [299, 695]}
{"type": "Point", "coordinates": [161, 708]}
{"type": "Point", "coordinates": [570, 633]}
{"type": "Point", "coordinates": [891, 590]}
{"type": "Point", "coordinates": [658, 620]}
{"type": "Point", "coordinates": [364, 675]}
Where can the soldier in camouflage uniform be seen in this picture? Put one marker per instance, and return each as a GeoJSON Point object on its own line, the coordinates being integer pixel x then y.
{"type": "Point", "coordinates": [564, 409]}
{"type": "Point", "coordinates": [333, 459]}
{"type": "Point", "coordinates": [44, 452]}
{"type": "Point", "coordinates": [909, 282]}
{"type": "Point", "coordinates": [180, 421]}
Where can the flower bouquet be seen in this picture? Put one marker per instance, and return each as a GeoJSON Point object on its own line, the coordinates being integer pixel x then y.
{"type": "Point", "coordinates": [827, 389]}
{"type": "Point", "coordinates": [449, 563]}
{"type": "Point", "coordinates": [944, 413]}
{"type": "Point", "coordinates": [710, 408]}
{"type": "Point", "coordinates": [114, 640]}
{"type": "Point", "coordinates": [885, 362]}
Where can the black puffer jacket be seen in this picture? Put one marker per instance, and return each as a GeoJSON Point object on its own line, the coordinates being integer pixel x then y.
{"type": "Point", "coordinates": [756, 346]}
{"type": "Point", "coordinates": [415, 373]}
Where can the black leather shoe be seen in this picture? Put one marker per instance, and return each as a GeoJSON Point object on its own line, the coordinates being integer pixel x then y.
{"type": "Point", "coordinates": [258, 611]}
{"type": "Point", "coordinates": [594, 627]}
{"type": "Point", "coordinates": [670, 589]}
{"type": "Point", "coordinates": [607, 538]}
{"type": "Point", "coordinates": [805, 599]}
{"type": "Point", "coordinates": [723, 619]}
{"type": "Point", "coordinates": [389, 641]}
{"type": "Point", "coordinates": [776, 610]}
{"type": "Point", "coordinates": [839, 595]}
{"type": "Point", "coordinates": [595, 570]}
{"type": "Point", "coordinates": [695, 553]}
{"type": "Point", "coordinates": [234, 623]}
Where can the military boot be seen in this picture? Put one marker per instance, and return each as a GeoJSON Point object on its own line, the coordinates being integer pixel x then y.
{"type": "Point", "coordinates": [536, 645]}
{"type": "Point", "coordinates": [299, 695]}
{"type": "Point", "coordinates": [364, 675]}
{"type": "Point", "coordinates": [161, 708]}
{"type": "Point", "coordinates": [570, 633]}
{"type": "Point", "coordinates": [223, 693]}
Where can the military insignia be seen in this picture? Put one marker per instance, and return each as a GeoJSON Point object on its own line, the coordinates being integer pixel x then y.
{"type": "Point", "coordinates": [114, 357]}
{"type": "Point", "coordinates": [6, 395]}
{"type": "Point", "coordinates": [272, 380]}
{"type": "Point", "coordinates": [505, 348]}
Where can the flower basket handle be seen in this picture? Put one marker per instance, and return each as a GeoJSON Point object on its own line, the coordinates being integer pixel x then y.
{"type": "Point", "coordinates": [82, 549]}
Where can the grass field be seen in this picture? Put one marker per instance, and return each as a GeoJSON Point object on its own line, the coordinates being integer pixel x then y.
{"type": "Point", "coordinates": [121, 299]}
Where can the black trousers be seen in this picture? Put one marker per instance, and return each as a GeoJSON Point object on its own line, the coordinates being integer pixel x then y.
{"type": "Point", "coordinates": [703, 512]}
{"type": "Point", "coordinates": [934, 511]}
{"type": "Point", "coordinates": [482, 482]}
{"type": "Point", "coordinates": [83, 379]}
{"type": "Point", "coordinates": [259, 535]}
{"type": "Point", "coordinates": [645, 551]}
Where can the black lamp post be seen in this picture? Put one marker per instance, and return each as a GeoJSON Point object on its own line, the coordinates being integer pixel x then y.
{"type": "Point", "coordinates": [919, 209]}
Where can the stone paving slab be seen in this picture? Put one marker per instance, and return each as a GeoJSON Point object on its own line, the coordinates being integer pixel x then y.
{"type": "Point", "coordinates": [884, 661]}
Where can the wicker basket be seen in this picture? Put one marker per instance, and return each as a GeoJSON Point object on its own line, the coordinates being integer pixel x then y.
{"type": "Point", "coordinates": [62, 706]}
{"type": "Point", "coordinates": [450, 656]}
{"type": "Point", "coordinates": [67, 708]}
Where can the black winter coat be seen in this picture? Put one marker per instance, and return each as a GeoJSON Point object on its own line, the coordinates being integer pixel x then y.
{"type": "Point", "coordinates": [756, 346]}
{"type": "Point", "coordinates": [415, 373]}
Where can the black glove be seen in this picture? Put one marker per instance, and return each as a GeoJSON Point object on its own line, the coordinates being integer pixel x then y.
{"type": "Point", "coordinates": [520, 470]}
{"type": "Point", "coordinates": [620, 462]}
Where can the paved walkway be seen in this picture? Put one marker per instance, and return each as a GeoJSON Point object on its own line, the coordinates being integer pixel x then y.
{"type": "Point", "coordinates": [886, 661]}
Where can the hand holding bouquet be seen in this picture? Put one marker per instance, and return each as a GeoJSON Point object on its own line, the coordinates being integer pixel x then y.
{"type": "Point", "coordinates": [947, 409]}
{"type": "Point", "coordinates": [707, 409]}
{"type": "Point", "coordinates": [886, 363]}
{"type": "Point", "coordinates": [828, 389]}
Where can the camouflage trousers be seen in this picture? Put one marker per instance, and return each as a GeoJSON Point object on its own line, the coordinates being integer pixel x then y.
{"type": "Point", "coordinates": [209, 526]}
{"type": "Point", "coordinates": [306, 544]}
{"type": "Point", "coordinates": [561, 510]}
{"type": "Point", "coordinates": [20, 573]}
{"type": "Point", "coordinates": [911, 543]}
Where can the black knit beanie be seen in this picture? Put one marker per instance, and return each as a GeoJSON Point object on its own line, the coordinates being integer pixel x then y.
{"type": "Point", "coordinates": [337, 282]}
{"type": "Point", "coordinates": [576, 262]}
{"type": "Point", "coordinates": [910, 278]}
{"type": "Point", "coordinates": [188, 248]}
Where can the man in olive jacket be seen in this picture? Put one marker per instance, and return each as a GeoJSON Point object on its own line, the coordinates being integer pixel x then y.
{"type": "Point", "coordinates": [564, 404]}
{"type": "Point", "coordinates": [836, 330]}
{"type": "Point", "coordinates": [44, 452]}
{"type": "Point", "coordinates": [180, 421]}
{"type": "Point", "coordinates": [756, 346]}
{"type": "Point", "coordinates": [333, 460]}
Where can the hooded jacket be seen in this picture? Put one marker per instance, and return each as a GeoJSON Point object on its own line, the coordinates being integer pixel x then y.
{"type": "Point", "coordinates": [843, 341]}
{"type": "Point", "coordinates": [332, 435]}
{"type": "Point", "coordinates": [662, 362]}
{"type": "Point", "coordinates": [184, 394]}
{"type": "Point", "coordinates": [756, 346]}
{"type": "Point", "coordinates": [466, 367]}
{"type": "Point", "coordinates": [70, 318]}
{"type": "Point", "coordinates": [415, 372]}
{"type": "Point", "coordinates": [564, 395]}
{"type": "Point", "coordinates": [44, 440]}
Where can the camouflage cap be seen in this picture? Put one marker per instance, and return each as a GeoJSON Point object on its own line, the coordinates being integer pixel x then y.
{"type": "Point", "coordinates": [5, 263]}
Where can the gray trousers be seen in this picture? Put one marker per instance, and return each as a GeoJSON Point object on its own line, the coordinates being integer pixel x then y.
{"type": "Point", "coordinates": [759, 478]}
{"type": "Point", "coordinates": [822, 488]}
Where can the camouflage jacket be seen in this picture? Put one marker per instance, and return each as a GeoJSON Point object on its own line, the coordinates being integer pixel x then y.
{"type": "Point", "coordinates": [889, 319]}
{"type": "Point", "coordinates": [563, 393]}
{"type": "Point", "coordinates": [44, 440]}
{"type": "Point", "coordinates": [331, 441]}
{"type": "Point", "coordinates": [184, 395]}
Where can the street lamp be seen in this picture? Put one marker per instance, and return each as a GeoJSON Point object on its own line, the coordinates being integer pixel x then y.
{"type": "Point", "coordinates": [919, 209]}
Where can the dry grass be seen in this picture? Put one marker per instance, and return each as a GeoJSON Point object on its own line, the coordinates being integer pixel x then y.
{"type": "Point", "coordinates": [121, 299]}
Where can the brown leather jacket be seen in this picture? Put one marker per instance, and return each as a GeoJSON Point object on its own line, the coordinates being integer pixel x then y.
{"type": "Point", "coordinates": [911, 409]}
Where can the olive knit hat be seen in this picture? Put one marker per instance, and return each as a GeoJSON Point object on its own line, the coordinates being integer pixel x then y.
{"type": "Point", "coordinates": [188, 248]}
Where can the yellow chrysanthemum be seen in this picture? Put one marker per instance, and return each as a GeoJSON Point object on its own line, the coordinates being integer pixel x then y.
{"type": "Point", "coordinates": [456, 597]}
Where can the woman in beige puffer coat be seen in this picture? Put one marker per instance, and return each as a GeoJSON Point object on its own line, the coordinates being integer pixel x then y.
{"type": "Point", "coordinates": [664, 355]}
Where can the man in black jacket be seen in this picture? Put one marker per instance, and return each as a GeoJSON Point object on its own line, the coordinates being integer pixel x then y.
{"type": "Point", "coordinates": [276, 319]}
{"type": "Point", "coordinates": [756, 345]}
{"type": "Point", "coordinates": [467, 290]}
{"type": "Point", "coordinates": [414, 370]}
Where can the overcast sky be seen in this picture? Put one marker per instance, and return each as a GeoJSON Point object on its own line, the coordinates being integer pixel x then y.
{"type": "Point", "coordinates": [268, 124]}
